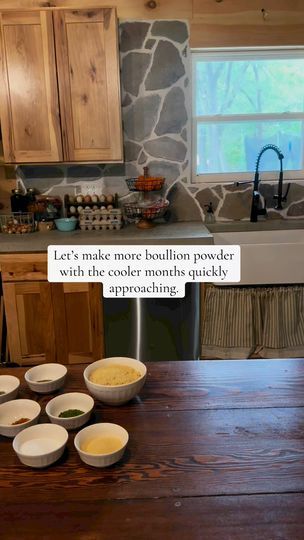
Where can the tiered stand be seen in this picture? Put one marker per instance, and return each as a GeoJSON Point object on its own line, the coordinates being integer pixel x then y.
{"type": "Point", "coordinates": [147, 208]}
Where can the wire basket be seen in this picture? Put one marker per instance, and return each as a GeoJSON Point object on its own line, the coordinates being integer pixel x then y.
{"type": "Point", "coordinates": [147, 212]}
{"type": "Point", "coordinates": [17, 223]}
{"type": "Point", "coordinates": [145, 184]}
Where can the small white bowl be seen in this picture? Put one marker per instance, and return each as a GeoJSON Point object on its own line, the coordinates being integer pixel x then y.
{"type": "Point", "coordinates": [99, 430]}
{"type": "Point", "coordinates": [115, 395]}
{"type": "Point", "coordinates": [14, 410]}
{"type": "Point", "coordinates": [41, 445]}
{"type": "Point", "coordinates": [72, 400]}
{"type": "Point", "coordinates": [10, 385]}
{"type": "Point", "coordinates": [53, 374]}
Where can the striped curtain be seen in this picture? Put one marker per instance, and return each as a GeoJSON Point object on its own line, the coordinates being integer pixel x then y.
{"type": "Point", "coordinates": [241, 322]}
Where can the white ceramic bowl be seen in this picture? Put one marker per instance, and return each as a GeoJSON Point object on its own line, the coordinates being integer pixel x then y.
{"type": "Point", "coordinates": [55, 374]}
{"type": "Point", "coordinates": [115, 395]}
{"type": "Point", "coordinates": [14, 410]}
{"type": "Point", "coordinates": [99, 430]}
{"type": "Point", "coordinates": [72, 400]}
{"type": "Point", "coordinates": [10, 385]}
{"type": "Point", "coordinates": [41, 445]}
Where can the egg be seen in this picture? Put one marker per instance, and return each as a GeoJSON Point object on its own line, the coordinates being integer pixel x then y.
{"type": "Point", "coordinates": [102, 198]}
{"type": "Point", "coordinates": [71, 199]}
{"type": "Point", "coordinates": [79, 209]}
{"type": "Point", "coordinates": [95, 207]}
{"type": "Point", "coordinates": [87, 199]}
{"type": "Point", "coordinates": [110, 198]}
{"type": "Point", "coordinates": [73, 209]}
{"type": "Point", "coordinates": [94, 198]}
{"type": "Point", "coordinates": [79, 198]}
{"type": "Point", "coordinates": [110, 207]}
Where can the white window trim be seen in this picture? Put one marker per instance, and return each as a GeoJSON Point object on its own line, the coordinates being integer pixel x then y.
{"type": "Point", "coordinates": [240, 54]}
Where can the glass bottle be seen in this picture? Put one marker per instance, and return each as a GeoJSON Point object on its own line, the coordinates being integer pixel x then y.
{"type": "Point", "coordinates": [18, 201]}
{"type": "Point", "coordinates": [30, 199]}
{"type": "Point", "coordinates": [209, 217]}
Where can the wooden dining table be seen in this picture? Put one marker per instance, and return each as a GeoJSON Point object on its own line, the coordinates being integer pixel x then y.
{"type": "Point", "coordinates": [216, 451]}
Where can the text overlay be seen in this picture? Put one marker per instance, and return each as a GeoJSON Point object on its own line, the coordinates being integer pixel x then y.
{"type": "Point", "coordinates": [144, 271]}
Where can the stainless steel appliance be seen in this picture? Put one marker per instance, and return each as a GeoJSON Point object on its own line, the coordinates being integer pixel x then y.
{"type": "Point", "coordinates": [153, 329]}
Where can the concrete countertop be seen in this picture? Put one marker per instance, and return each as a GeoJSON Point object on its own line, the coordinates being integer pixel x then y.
{"type": "Point", "coordinates": [182, 232]}
{"type": "Point", "coordinates": [191, 233]}
{"type": "Point", "coordinates": [262, 225]}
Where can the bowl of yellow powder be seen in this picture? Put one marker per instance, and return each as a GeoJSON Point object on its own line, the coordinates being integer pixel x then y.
{"type": "Point", "coordinates": [115, 380]}
{"type": "Point", "coordinates": [101, 445]}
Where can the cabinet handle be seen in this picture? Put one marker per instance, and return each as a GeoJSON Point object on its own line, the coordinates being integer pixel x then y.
{"type": "Point", "coordinates": [151, 4]}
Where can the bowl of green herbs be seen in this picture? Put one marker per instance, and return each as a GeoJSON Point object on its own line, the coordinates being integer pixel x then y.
{"type": "Point", "coordinates": [71, 410]}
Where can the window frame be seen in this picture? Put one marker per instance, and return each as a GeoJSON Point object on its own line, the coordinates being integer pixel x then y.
{"type": "Point", "coordinates": [231, 53]}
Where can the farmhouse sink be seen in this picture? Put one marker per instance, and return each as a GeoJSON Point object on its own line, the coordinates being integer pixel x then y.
{"type": "Point", "coordinates": [269, 256]}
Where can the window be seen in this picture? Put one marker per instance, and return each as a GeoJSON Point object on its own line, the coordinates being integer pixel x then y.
{"type": "Point", "coordinates": [243, 100]}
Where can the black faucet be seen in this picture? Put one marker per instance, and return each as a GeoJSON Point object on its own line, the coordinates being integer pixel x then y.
{"type": "Point", "coordinates": [256, 210]}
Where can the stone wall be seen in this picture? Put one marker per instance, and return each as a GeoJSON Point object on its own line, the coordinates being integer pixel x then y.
{"type": "Point", "coordinates": [156, 96]}
{"type": "Point", "coordinates": [231, 202]}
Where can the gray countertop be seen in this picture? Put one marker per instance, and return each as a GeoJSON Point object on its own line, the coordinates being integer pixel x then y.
{"type": "Point", "coordinates": [183, 232]}
{"type": "Point", "coordinates": [191, 233]}
{"type": "Point", "coordinates": [262, 225]}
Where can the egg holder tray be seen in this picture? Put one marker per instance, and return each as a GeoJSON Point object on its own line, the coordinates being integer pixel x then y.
{"type": "Point", "coordinates": [79, 207]}
{"type": "Point", "coordinates": [100, 220]}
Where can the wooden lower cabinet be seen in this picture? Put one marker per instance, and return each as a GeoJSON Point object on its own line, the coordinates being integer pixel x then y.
{"type": "Point", "coordinates": [78, 322]}
{"type": "Point", "coordinates": [30, 322]}
{"type": "Point", "coordinates": [49, 322]}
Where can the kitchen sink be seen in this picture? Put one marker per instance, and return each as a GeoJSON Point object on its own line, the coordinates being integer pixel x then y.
{"type": "Point", "coordinates": [267, 257]}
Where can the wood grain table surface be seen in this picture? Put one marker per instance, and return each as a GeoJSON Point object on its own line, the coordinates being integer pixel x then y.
{"type": "Point", "coordinates": [216, 451]}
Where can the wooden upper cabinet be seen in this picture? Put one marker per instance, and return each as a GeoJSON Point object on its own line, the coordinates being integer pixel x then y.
{"type": "Point", "coordinates": [65, 59]}
{"type": "Point", "coordinates": [88, 77]}
{"type": "Point", "coordinates": [29, 96]}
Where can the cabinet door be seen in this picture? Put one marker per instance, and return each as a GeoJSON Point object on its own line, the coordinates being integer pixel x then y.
{"type": "Point", "coordinates": [78, 318]}
{"type": "Point", "coordinates": [29, 95]}
{"type": "Point", "coordinates": [88, 76]}
{"type": "Point", "coordinates": [49, 322]}
{"type": "Point", "coordinates": [30, 322]}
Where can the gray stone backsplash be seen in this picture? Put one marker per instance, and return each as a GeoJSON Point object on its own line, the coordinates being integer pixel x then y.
{"type": "Point", "coordinates": [156, 96]}
{"type": "Point", "coordinates": [232, 202]}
